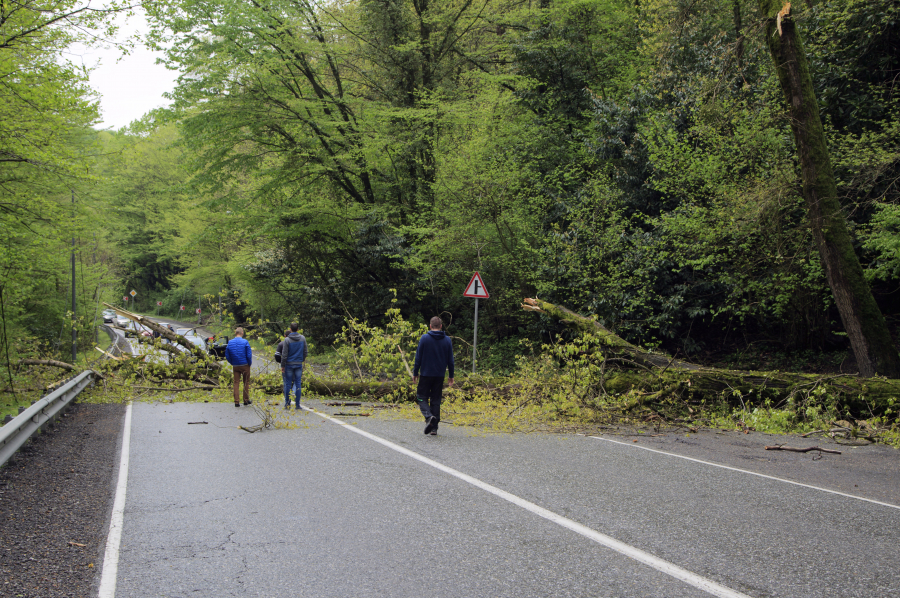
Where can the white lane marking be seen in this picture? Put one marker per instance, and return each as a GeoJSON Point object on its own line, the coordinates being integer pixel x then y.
{"type": "Point", "coordinates": [762, 475]}
{"type": "Point", "coordinates": [111, 557]}
{"type": "Point", "coordinates": [692, 579]}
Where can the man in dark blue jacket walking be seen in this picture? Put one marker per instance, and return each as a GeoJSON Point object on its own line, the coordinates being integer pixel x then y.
{"type": "Point", "coordinates": [434, 355]}
{"type": "Point", "coordinates": [239, 354]}
{"type": "Point", "coordinates": [291, 354]}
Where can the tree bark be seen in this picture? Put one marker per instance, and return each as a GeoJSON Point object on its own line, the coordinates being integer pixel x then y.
{"type": "Point", "coordinates": [865, 326]}
{"type": "Point", "coordinates": [50, 362]}
{"type": "Point", "coordinates": [739, 33]}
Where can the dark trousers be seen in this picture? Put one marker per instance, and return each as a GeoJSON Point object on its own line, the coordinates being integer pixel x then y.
{"type": "Point", "coordinates": [241, 371]}
{"type": "Point", "coordinates": [428, 396]}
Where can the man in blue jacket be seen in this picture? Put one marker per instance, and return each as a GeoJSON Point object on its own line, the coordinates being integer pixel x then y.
{"type": "Point", "coordinates": [239, 354]}
{"type": "Point", "coordinates": [434, 355]}
{"type": "Point", "coordinates": [291, 354]}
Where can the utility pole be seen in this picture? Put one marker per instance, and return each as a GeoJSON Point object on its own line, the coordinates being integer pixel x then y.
{"type": "Point", "coordinates": [74, 333]}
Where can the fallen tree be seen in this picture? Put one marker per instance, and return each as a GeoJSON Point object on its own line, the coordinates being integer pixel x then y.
{"type": "Point", "coordinates": [654, 377]}
{"type": "Point", "coordinates": [596, 373]}
{"type": "Point", "coordinates": [168, 334]}
{"type": "Point", "coordinates": [49, 362]}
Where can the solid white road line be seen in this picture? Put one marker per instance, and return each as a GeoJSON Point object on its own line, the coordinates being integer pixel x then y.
{"type": "Point", "coordinates": [761, 475]}
{"type": "Point", "coordinates": [111, 557]}
{"type": "Point", "coordinates": [692, 579]}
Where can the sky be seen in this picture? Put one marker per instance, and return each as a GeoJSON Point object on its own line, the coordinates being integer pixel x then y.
{"type": "Point", "coordinates": [128, 86]}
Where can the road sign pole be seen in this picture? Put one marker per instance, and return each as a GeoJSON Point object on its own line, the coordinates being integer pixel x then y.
{"type": "Point", "coordinates": [475, 337]}
{"type": "Point", "coordinates": [475, 289]}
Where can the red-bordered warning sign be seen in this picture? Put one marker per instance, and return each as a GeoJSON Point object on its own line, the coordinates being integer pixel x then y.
{"type": "Point", "coordinates": [476, 288]}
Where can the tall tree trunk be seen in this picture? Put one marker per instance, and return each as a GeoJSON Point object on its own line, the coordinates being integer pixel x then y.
{"type": "Point", "coordinates": [739, 32]}
{"type": "Point", "coordinates": [863, 321]}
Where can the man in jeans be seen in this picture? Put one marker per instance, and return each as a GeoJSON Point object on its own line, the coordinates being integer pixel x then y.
{"type": "Point", "coordinates": [239, 354]}
{"type": "Point", "coordinates": [434, 355]}
{"type": "Point", "coordinates": [291, 354]}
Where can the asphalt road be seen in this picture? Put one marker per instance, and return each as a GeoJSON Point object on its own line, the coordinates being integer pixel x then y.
{"type": "Point", "coordinates": [324, 511]}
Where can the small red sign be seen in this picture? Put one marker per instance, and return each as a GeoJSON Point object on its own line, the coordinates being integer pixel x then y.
{"type": "Point", "coordinates": [159, 303]}
{"type": "Point", "coordinates": [476, 288]}
{"type": "Point", "coordinates": [182, 308]}
{"type": "Point", "coordinates": [124, 297]}
{"type": "Point", "coordinates": [198, 310]}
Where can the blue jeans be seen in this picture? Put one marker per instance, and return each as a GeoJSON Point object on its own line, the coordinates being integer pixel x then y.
{"type": "Point", "coordinates": [292, 376]}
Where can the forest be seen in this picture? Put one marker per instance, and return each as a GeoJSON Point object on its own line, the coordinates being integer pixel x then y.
{"type": "Point", "coordinates": [714, 180]}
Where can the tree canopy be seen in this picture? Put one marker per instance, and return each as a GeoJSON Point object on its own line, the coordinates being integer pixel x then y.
{"type": "Point", "coordinates": [630, 160]}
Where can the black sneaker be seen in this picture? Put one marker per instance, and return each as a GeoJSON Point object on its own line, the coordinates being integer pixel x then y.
{"type": "Point", "coordinates": [431, 425]}
{"type": "Point", "coordinates": [433, 432]}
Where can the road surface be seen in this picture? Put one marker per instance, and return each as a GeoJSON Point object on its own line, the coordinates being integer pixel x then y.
{"type": "Point", "coordinates": [375, 508]}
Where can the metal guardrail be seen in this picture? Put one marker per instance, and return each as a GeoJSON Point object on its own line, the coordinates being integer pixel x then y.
{"type": "Point", "coordinates": [119, 345]}
{"type": "Point", "coordinates": [17, 432]}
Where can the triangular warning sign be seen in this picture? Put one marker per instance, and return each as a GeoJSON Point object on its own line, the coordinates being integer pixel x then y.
{"type": "Point", "coordinates": [476, 288]}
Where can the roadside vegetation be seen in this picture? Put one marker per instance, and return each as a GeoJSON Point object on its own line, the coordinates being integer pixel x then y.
{"type": "Point", "coordinates": [350, 165]}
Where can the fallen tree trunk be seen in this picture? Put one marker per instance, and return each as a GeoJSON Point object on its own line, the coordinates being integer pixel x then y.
{"type": "Point", "coordinates": [49, 362]}
{"type": "Point", "coordinates": [334, 388]}
{"type": "Point", "coordinates": [658, 377]}
{"type": "Point", "coordinates": [166, 333]}
{"type": "Point", "coordinates": [615, 343]}
{"type": "Point", "coordinates": [53, 363]}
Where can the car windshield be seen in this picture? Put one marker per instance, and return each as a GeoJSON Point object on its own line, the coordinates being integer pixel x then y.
{"type": "Point", "coordinates": [184, 331]}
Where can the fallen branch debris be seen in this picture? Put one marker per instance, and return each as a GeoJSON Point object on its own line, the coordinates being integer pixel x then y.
{"type": "Point", "coordinates": [781, 447]}
{"type": "Point", "coordinates": [656, 377]}
{"type": "Point", "coordinates": [48, 362]}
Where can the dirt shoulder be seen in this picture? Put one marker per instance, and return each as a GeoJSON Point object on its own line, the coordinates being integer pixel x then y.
{"type": "Point", "coordinates": [55, 498]}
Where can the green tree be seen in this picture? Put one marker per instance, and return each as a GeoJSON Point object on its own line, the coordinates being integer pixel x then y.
{"type": "Point", "coordinates": [863, 321]}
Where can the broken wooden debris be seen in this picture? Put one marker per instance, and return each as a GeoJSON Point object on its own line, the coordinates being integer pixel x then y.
{"type": "Point", "coordinates": [781, 447]}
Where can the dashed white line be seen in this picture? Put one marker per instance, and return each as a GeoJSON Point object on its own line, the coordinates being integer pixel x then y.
{"type": "Point", "coordinates": [702, 583]}
{"type": "Point", "coordinates": [761, 475]}
{"type": "Point", "coordinates": [114, 540]}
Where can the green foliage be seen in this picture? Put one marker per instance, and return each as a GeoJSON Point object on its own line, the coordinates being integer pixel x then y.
{"type": "Point", "coordinates": [628, 161]}
{"type": "Point", "coordinates": [46, 150]}
{"type": "Point", "coordinates": [365, 351]}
